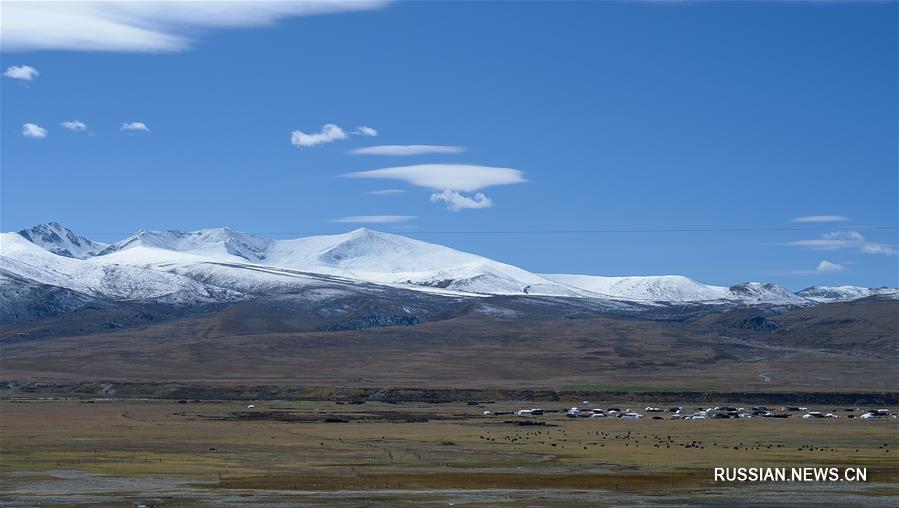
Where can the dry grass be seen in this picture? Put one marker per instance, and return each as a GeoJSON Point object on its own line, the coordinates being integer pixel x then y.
{"type": "Point", "coordinates": [208, 441]}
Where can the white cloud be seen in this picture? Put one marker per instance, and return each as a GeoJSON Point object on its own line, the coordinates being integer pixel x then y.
{"type": "Point", "coordinates": [827, 266]}
{"type": "Point", "coordinates": [456, 201]}
{"type": "Point", "coordinates": [407, 149]}
{"type": "Point", "coordinates": [838, 240]}
{"type": "Point", "coordinates": [151, 26]}
{"type": "Point", "coordinates": [328, 134]}
{"type": "Point", "coordinates": [362, 130]}
{"type": "Point", "coordinates": [23, 72]}
{"type": "Point", "coordinates": [375, 219]}
{"type": "Point", "coordinates": [450, 180]}
{"type": "Point", "coordinates": [135, 126]}
{"type": "Point", "coordinates": [74, 125]}
{"type": "Point", "coordinates": [821, 218]}
{"type": "Point", "coordinates": [440, 177]}
{"type": "Point", "coordinates": [386, 192]}
{"type": "Point", "coordinates": [33, 130]}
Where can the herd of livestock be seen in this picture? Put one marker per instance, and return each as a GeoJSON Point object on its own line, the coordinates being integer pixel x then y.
{"type": "Point", "coordinates": [701, 413]}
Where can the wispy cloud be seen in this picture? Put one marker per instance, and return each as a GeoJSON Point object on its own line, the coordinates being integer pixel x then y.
{"type": "Point", "coordinates": [450, 180]}
{"type": "Point", "coordinates": [821, 218]}
{"type": "Point", "coordinates": [828, 267]}
{"type": "Point", "coordinates": [386, 192]}
{"type": "Point", "coordinates": [407, 149]}
{"type": "Point", "coordinates": [74, 125]}
{"type": "Point", "coordinates": [363, 130]}
{"type": "Point", "coordinates": [21, 72]}
{"type": "Point", "coordinates": [374, 219]}
{"type": "Point", "coordinates": [135, 126]}
{"type": "Point", "coordinates": [33, 130]}
{"type": "Point", "coordinates": [151, 26]}
{"type": "Point", "coordinates": [838, 240]}
{"type": "Point", "coordinates": [328, 134]}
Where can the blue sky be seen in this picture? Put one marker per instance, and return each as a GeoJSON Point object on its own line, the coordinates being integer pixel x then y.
{"type": "Point", "coordinates": [649, 117]}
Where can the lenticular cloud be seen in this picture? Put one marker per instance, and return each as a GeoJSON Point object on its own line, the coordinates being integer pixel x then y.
{"type": "Point", "coordinates": [442, 177]}
{"type": "Point", "coordinates": [450, 180]}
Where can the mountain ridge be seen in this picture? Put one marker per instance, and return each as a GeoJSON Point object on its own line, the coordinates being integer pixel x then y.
{"type": "Point", "coordinates": [223, 264]}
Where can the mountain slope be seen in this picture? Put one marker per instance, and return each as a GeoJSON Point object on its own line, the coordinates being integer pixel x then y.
{"type": "Point", "coordinates": [22, 298]}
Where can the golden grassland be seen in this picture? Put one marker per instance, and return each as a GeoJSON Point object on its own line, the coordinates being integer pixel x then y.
{"type": "Point", "coordinates": [322, 446]}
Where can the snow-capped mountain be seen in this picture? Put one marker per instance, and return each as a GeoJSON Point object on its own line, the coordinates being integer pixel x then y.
{"type": "Point", "coordinates": [220, 244]}
{"type": "Point", "coordinates": [825, 294]}
{"type": "Point", "coordinates": [764, 293]}
{"type": "Point", "coordinates": [396, 260]}
{"type": "Point", "coordinates": [222, 265]}
{"type": "Point", "coordinates": [20, 257]}
{"type": "Point", "coordinates": [362, 255]}
{"type": "Point", "coordinates": [677, 288]}
{"type": "Point", "coordinates": [670, 288]}
{"type": "Point", "coordinates": [58, 239]}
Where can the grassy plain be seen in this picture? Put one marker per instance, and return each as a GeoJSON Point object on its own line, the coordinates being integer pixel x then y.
{"type": "Point", "coordinates": [220, 452]}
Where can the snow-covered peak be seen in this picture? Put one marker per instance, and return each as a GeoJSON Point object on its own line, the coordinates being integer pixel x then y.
{"type": "Point", "coordinates": [677, 289]}
{"type": "Point", "coordinates": [767, 293]}
{"type": "Point", "coordinates": [393, 259]}
{"type": "Point", "coordinates": [363, 246]}
{"type": "Point", "coordinates": [368, 250]}
{"type": "Point", "coordinates": [825, 294]}
{"type": "Point", "coordinates": [667, 288]}
{"type": "Point", "coordinates": [62, 241]}
{"type": "Point", "coordinates": [363, 231]}
{"type": "Point", "coordinates": [220, 244]}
